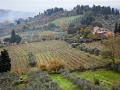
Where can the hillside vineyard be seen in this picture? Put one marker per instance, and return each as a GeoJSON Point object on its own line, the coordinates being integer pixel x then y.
{"type": "Point", "coordinates": [50, 50]}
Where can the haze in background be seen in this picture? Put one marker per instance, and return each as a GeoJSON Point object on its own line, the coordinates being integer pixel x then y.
{"type": "Point", "coordinates": [14, 9]}
{"type": "Point", "coordinates": [9, 15]}
{"type": "Point", "coordinates": [41, 5]}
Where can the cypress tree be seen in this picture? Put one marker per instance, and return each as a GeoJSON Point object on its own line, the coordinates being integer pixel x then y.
{"type": "Point", "coordinates": [116, 28]}
{"type": "Point", "coordinates": [0, 64]}
{"type": "Point", "coordinates": [119, 28]}
{"type": "Point", "coordinates": [13, 37]}
{"type": "Point", "coordinates": [5, 64]}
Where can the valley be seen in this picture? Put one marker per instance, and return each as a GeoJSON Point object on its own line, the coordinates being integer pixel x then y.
{"type": "Point", "coordinates": [61, 49]}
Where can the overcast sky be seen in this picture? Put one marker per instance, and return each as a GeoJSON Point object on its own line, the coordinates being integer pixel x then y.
{"type": "Point", "coordinates": [41, 5]}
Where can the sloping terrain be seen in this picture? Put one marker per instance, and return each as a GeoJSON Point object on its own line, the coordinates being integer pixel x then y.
{"type": "Point", "coordinates": [107, 78]}
{"type": "Point", "coordinates": [51, 50]}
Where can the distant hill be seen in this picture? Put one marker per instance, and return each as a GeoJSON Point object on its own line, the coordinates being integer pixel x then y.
{"type": "Point", "coordinates": [58, 19]}
{"type": "Point", "coordinates": [12, 15]}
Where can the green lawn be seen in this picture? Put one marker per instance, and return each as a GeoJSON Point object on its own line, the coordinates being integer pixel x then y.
{"type": "Point", "coordinates": [63, 82]}
{"type": "Point", "coordinates": [106, 77]}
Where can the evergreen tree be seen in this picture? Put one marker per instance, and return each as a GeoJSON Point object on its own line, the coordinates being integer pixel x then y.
{"type": "Point", "coordinates": [1, 64]}
{"type": "Point", "coordinates": [13, 37]}
{"type": "Point", "coordinates": [116, 28]}
{"type": "Point", "coordinates": [113, 11]}
{"type": "Point", "coordinates": [102, 10]}
{"type": "Point", "coordinates": [31, 59]}
{"type": "Point", "coordinates": [18, 39]}
{"type": "Point", "coordinates": [119, 29]}
{"type": "Point", "coordinates": [49, 12]}
{"type": "Point", "coordinates": [5, 64]}
{"type": "Point", "coordinates": [87, 19]}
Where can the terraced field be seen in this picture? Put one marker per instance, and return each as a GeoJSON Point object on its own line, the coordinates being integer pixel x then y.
{"type": "Point", "coordinates": [51, 50]}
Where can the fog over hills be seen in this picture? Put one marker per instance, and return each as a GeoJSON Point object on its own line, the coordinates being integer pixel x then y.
{"type": "Point", "coordinates": [9, 15]}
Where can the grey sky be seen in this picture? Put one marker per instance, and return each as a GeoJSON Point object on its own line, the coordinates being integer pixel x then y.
{"type": "Point", "coordinates": [41, 5]}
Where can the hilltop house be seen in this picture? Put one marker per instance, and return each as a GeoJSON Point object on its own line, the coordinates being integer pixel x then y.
{"type": "Point", "coordinates": [102, 32]}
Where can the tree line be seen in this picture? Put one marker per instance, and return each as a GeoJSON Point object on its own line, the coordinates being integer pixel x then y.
{"type": "Point", "coordinates": [104, 10]}
{"type": "Point", "coordinates": [80, 10]}
{"type": "Point", "coordinates": [49, 12]}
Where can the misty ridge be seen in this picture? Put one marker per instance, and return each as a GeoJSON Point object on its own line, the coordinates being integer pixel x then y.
{"type": "Point", "coordinates": [10, 16]}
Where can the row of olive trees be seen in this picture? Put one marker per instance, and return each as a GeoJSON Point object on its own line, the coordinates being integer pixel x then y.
{"type": "Point", "coordinates": [83, 84]}
{"type": "Point", "coordinates": [41, 81]}
{"type": "Point", "coordinates": [30, 81]}
{"type": "Point", "coordinates": [90, 50]}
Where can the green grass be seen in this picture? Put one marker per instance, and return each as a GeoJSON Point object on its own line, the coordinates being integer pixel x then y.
{"type": "Point", "coordinates": [66, 20]}
{"type": "Point", "coordinates": [107, 78]}
{"type": "Point", "coordinates": [64, 83]}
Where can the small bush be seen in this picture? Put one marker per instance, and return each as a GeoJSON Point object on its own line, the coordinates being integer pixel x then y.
{"type": "Point", "coordinates": [96, 81]}
{"type": "Point", "coordinates": [54, 66]}
{"type": "Point", "coordinates": [43, 67]}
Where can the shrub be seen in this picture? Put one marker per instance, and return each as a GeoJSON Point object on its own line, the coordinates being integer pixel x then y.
{"type": "Point", "coordinates": [31, 59]}
{"type": "Point", "coordinates": [96, 81]}
{"type": "Point", "coordinates": [43, 67]}
{"type": "Point", "coordinates": [116, 85]}
{"type": "Point", "coordinates": [54, 66]}
{"type": "Point", "coordinates": [96, 51]}
{"type": "Point", "coordinates": [91, 51]}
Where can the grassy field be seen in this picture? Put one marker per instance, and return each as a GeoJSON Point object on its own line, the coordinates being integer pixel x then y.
{"type": "Point", "coordinates": [107, 78]}
{"type": "Point", "coordinates": [64, 83]}
{"type": "Point", "coordinates": [65, 20]}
